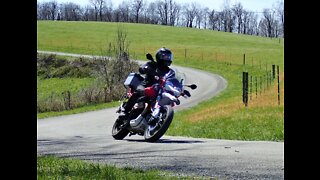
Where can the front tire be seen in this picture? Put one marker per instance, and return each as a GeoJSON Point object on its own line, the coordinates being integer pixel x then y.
{"type": "Point", "coordinates": [119, 131]}
{"type": "Point", "coordinates": [166, 116]}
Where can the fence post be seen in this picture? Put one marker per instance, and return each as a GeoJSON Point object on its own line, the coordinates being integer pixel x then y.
{"type": "Point", "coordinates": [245, 88]}
{"type": "Point", "coordinates": [260, 84]}
{"type": "Point", "coordinates": [267, 78]}
{"type": "Point", "coordinates": [256, 86]}
{"type": "Point", "coordinates": [264, 84]}
{"type": "Point", "coordinates": [244, 59]}
{"type": "Point", "coordinates": [273, 71]}
{"type": "Point", "coordinates": [278, 86]}
{"type": "Point", "coordinates": [250, 87]}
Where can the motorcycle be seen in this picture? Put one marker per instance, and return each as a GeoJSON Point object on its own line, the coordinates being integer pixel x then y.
{"type": "Point", "coordinates": [152, 114]}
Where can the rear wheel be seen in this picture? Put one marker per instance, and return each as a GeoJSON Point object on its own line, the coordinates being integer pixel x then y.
{"type": "Point", "coordinates": [155, 132]}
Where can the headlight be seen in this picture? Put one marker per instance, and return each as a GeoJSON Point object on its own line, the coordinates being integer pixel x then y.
{"type": "Point", "coordinates": [173, 90]}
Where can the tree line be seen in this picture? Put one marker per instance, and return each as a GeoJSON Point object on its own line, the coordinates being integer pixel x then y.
{"type": "Point", "coordinates": [234, 19]}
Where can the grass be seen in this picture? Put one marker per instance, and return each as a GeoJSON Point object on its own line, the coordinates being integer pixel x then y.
{"type": "Point", "coordinates": [78, 37]}
{"type": "Point", "coordinates": [223, 116]}
{"type": "Point", "coordinates": [49, 167]}
{"type": "Point", "coordinates": [92, 107]}
{"type": "Point", "coordinates": [47, 87]}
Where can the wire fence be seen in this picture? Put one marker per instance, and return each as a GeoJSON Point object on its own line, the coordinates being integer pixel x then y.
{"type": "Point", "coordinates": [251, 86]}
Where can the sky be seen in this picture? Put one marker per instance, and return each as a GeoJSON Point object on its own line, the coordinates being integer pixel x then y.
{"type": "Point", "coordinates": [249, 5]}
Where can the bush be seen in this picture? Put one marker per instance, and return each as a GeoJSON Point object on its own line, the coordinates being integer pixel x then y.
{"type": "Point", "coordinates": [109, 74]}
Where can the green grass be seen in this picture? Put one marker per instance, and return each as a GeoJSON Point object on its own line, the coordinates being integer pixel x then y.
{"type": "Point", "coordinates": [92, 107]}
{"type": "Point", "coordinates": [47, 87]}
{"type": "Point", "coordinates": [216, 52]}
{"type": "Point", "coordinates": [49, 167]}
{"type": "Point", "coordinates": [94, 37]}
{"type": "Point", "coordinates": [57, 86]}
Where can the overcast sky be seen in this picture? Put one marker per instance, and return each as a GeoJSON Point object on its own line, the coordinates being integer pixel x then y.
{"type": "Point", "coordinates": [250, 5]}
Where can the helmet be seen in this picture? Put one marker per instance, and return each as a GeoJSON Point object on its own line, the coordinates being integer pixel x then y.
{"type": "Point", "coordinates": [164, 57]}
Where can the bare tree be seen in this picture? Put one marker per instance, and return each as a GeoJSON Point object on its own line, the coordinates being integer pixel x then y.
{"type": "Point", "coordinates": [107, 11]}
{"type": "Point", "coordinates": [174, 10]}
{"type": "Point", "coordinates": [162, 10]}
{"type": "Point", "coordinates": [246, 21]}
{"type": "Point", "coordinates": [227, 20]}
{"type": "Point", "coordinates": [168, 12]}
{"type": "Point", "coordinates": [212, 19]}
{"type": "Point", "coordinates": [47, 10]}
{"type": "Point", "coordinates": [253, 24]}
{"type": "Point", "coordinates": [98, 6]}
{"type": "Point", "coordinates": [190, 13]}
{"type": "Point", "coordinates": [152, 13]}
{"type": "Point", "coordinates": [44, 11]}
{"type": "Point", "coordinates": [88, 13]}
{"type": "Point", "coordinates": [38, 10]}
{"type": "Point", "coordinates": [267, 23]}
{"type": "Point", "coordinates": [238, 11]}
{"type": "Point", "coordinates": [280, 13]}
{"type": "Point", "coordinates": [71, 12]}
{"type": "Point", "coordinates": [137, 8]}
{"type": "Point", "coordinates": [124, 10]}
{"type": "Point", "coordinates": [199, 17]}
{"type": "Point", "coordinates": [206, 13]}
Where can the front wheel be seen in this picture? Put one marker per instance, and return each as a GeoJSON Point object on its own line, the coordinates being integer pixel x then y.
{"type": "Point", "coordinates": [153, 133]}
{"type": "Point", "coordinates": [119, 131]}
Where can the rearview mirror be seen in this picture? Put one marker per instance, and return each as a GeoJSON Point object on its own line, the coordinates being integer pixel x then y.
{"type": "Point", "coordinates": [149, 56]}
{"type": "Point", "coordinates": [193, 86]}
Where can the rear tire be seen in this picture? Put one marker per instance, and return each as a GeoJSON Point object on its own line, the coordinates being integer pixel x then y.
{"type": "Point", "coordinates": [167, 116]}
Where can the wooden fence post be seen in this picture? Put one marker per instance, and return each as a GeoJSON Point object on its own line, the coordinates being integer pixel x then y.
{"type": "Point", "coordinates": [273, 71]}
{"type": "Point", "coordinates": [260, 84]}
{"type": "Point", "coordinates": [267, 78]}
{"type": "Point", "coordinates": [256, 87]}
{"type": "Point", "coordinates": [245, 88]}
{"type": "Point", "coordinates": [278, 86]}
{"type": "Point", "coordinates": [250, 87]}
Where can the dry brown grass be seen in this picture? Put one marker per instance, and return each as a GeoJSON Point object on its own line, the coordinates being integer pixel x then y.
{"type": "Point", "coordinates": [268, 98]}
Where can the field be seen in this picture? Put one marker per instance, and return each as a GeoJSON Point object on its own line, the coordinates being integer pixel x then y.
{"type": "Point", "coordinates": [224, 116]}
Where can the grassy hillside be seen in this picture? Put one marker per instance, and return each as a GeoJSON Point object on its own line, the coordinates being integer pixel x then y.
{"type": "Point", "coordinates": [93, 38]}
{"type": "Point", "coordinates": [222, 53]}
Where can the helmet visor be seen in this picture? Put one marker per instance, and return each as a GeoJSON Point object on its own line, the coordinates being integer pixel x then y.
{"type": "Point", "coordinates": [166, 57]}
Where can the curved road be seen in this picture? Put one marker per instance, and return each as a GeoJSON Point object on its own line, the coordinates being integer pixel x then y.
{"type": "Point", "coordinates": [87, 136]}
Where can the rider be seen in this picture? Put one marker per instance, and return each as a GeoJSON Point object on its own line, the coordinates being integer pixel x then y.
{"type": "Point", "coordinates": [153, 71]}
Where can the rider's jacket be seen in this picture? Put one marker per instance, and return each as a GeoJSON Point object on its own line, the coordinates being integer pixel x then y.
{"type": "Point", "coordinates": [152, 69]}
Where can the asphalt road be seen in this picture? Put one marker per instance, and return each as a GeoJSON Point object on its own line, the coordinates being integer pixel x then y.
{"type": "Point", "coordinates": [87, 136]}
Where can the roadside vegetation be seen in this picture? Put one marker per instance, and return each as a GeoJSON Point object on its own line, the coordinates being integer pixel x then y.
{"type": "Point", "coordinates": [49, 167]}
{"type": "Point", "coordinates": [73, 85]}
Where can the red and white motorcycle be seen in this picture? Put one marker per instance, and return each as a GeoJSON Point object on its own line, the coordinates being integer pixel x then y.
{"type": "Point", "coordinates": [150, 117]}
